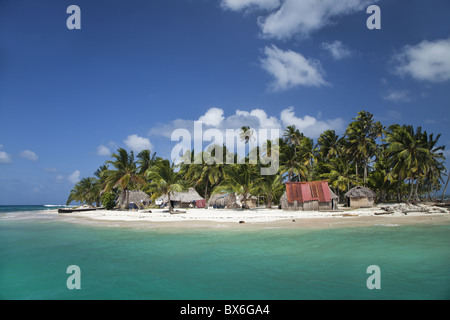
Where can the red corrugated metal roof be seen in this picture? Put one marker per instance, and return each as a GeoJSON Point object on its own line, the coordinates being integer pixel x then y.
{"type": "Point", "coordinates": [308, 191]}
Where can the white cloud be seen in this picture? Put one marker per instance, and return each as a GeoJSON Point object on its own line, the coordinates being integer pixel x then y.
{"type": "Point", "coordinates": [337, 49]}
{"type": "Point", "coordinates": [137, 144]}
{"type": "Point", "coordinates": [4, 157]}
{"type": "Point", "coordinates": [212, 117]}
{"type": "Point", "coordinates": [398, 96]}
{"type": "Point", "coordinates": [29, 155]}
{"type": "Point", "coordinates": [103, 151]}
{"type": "Point", "coordinates": [426, 61]}
{"type": "Point", "coordinates": [258, 119]}
{"type": "Point", "coordinates": [74, 177]}
{"type": "Point", "coordinates": [237, 5]}
{"type": "Point", "coordinates": [306, 16]}
{"type": "Point", "coordinates": [291, 69]}
{"type": "Point", "coordinates": [308, 125]}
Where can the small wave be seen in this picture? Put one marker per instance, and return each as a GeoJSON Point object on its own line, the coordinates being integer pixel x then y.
{"type": "Point", "coordinates": [55, 205]}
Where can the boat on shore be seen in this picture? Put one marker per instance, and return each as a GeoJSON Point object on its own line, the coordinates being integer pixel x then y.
{"type": "Point", "coordinates": [78, 209]}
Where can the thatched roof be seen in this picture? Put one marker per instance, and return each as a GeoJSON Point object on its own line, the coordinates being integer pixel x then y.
{"type": "Point", "coordinates": [224, 200]}
{"type": "Point", "coordinates": [333, 195]}
{"type": "Point", "coordinates": [134, 196]}
{"type": "Point", "coordinates": [360, 192]}
{"type": "Point", "coordinates": [187, 196]}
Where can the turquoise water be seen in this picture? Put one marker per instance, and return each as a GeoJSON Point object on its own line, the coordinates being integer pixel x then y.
{"type": "Point", "coordinates": [124, 263]}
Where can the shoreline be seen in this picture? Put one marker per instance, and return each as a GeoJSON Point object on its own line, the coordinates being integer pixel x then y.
{"type": "Point", "coordinates": [228, 219]}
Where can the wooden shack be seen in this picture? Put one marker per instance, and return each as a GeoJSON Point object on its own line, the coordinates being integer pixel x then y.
{"type": "Point", "coordinates": [360, 197]}
{"type": "Point", "coordinates": [308, 196]}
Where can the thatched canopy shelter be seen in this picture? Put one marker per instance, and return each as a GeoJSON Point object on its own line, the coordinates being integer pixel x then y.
{"type": "Point", "coordinates": [223, 200]}
{"type": "Point", "coordinates": [140, 198]}
{"type": "Point", "coordinates": [360, 197]}
{"type": "Point", "coordinates": [183, 199]}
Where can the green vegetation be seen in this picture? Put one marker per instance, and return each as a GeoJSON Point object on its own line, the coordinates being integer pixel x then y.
{"type": "Point", "coordinates": [399, 163]}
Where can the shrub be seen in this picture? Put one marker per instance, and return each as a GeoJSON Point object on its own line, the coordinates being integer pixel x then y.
{"type": "Point", "coordinates": [108, 200]}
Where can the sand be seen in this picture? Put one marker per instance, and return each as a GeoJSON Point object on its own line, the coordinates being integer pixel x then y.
{"type": "Point", "coordinates": [383, 215]}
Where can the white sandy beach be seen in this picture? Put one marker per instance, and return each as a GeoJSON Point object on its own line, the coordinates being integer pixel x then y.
{"type": "Point", "coordinates": [269, 218]}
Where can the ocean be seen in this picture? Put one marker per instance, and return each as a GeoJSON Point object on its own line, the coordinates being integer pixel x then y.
{"type": "Point", "coordinates": [36, 251]}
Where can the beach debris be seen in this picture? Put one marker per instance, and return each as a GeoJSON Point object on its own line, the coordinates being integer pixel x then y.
{"type": "Point", "coordinates": [242, 221]}
{"type": "Point", "coordinates": [406, 208]}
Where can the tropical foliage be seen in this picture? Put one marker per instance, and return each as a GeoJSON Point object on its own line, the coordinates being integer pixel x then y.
{"type": "Point", "coordinates": [399, 163]}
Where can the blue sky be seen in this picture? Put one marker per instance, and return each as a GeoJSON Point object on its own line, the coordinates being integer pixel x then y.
{"type": "Point", "coordinates": [137, 70]}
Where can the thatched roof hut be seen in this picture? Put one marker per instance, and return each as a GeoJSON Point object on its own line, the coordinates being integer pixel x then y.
{"type": "Point", "coordinates": [183, 199]}
{"type": "Point", "coordinates": [360, 197]}
{"type": "Point", "coordinates": [223, 200]}
{"type": "Point", "coordinates": [252, 201]}
{"type": "Point", "coordinates": [140, 198]}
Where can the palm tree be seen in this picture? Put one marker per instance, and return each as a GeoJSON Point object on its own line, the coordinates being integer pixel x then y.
{"type": "Point", "coordinates": [85, 191]}
{"type": "Point", "coordinates": [292, 136]}
{"type": "Point", "coordinates": [240, 179]}
{"type": "Point", "coordinates": [209, 174]}
{"type": "Point", "coordinates": [124, 175]}
{"type": "Point", "coordinates": [292, 164]}
{"type": "Point", "coordinates": [329, 145]}
{"type": "Point", "coordinates": [340, 174]}
{"type": "Point", "coordinates": [411, 157]}
{"type": "Point", "coordinates": [247, 134]}
{"type": "Point", "coordinates": [165, 180]}
{"type": "Point", "coordinates": [271, 186]}
{"type": "Point", "coordinates": [146, 160]}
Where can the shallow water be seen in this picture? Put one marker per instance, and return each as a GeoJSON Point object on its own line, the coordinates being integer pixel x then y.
{"type": "Point", "coordinates": [126, 263]}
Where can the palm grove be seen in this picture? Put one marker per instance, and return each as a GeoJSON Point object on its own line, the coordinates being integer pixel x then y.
{"type": "Point", "coordinates": [398, 162]}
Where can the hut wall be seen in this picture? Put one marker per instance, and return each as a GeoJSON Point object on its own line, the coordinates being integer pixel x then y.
{"type": "Point", "coordinates": [310, 205]}
{"type": "Point", "coordinates": [325, 205]}
{"type": "Point", "coordinates": [361, 202]}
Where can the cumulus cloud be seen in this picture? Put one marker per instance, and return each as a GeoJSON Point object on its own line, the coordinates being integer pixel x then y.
{"type": "Point", "coordinates": [74, 177]}
{"type": "Point", "coordinates": [29, 155]}
{"type": "Point", "coordinates": [286, 18]}
{"type": "Point", "coordinates": [137, 144]}
{"type": "Point", "coordinates": [426, 61]}
{"type": "Point", "coordinates": [308, 125]}
{"type": "Point", "coordinates": [291, 69]}
{"type": "Point", "coordinates": [4, 157]}
{"type": "Point", "coordinates": [103, 151]}
{"type": "Point", "coordinates": [213, 117]}
{"type": "Point", "coordinates": [337, 49]}
{"type": "Point", "coordinates": [258, 119]}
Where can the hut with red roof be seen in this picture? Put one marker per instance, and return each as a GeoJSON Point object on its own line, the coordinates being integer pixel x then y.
{"type": "Point", "coordinates": [308, 196]}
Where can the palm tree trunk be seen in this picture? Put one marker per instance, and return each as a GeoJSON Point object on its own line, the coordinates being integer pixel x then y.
{"type": "Point", "coordinates": [206, 191]}
{"type": "Point", "coordinates": [416, 196]}
{"type": "Point", "coordinates": [445, 188]}
{"type": "Point", "coordinates": [170, 203]}
{"type": "Point", "coordinates": [128, 199]}
{"type": "Point", "coordinates": [269, 202]}
{"type": "Point", "coordinates": [365, 174]}
{"type": "Point", "coordinates": [411, 181]}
